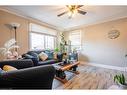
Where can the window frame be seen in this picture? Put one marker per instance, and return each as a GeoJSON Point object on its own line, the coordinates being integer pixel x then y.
{"type": "Point", "coordinates": [55, 38]}
{"type": "Point", "coordinates": [80, 35]}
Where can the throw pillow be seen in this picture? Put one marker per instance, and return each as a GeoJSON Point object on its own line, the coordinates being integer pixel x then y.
{"type": "Point", "coordinates": [43, 56]}
{"type": "Point", "coordinates": [27, 56]}
{"type": "Point", "coordinates": [9, 68]}
{"type": "Point", "coordinates": [55, 55]}
{"type": "Point", "coordinates": [35, 55]}
{"type": "Point", "coordinates": [50, 54]}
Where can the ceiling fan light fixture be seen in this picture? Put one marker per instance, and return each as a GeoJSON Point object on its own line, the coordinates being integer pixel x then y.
{"type": "Point", "coordinates": [75, 11]}
{"type": "Point", "coordinates": [69, 6]}
{"type": "Point", "coordinates": [71, 14]}
{"type": "Point", "coordinates": [72, 10]}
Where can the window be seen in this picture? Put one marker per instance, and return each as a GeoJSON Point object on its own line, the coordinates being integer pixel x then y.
{"type": "Point", "coordinates": [37, 41]}
{"type": "Point", "coordinates": [75, 38]}
{"type": "Point", "coordinates": [49, 42]}
{"type": "Point", "coordinates": [42, 38]}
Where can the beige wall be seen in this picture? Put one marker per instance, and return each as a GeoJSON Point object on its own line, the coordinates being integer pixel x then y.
{"type": "Point", "coordinates": [6, 33]}
{"type": "Point", "coordinates": [98, 48]}
{"type": "Point", "coordinates": [22, 31]}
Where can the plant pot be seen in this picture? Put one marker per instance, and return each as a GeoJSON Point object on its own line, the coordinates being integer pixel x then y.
{"type": "Point", "coordinates": [122, 86]}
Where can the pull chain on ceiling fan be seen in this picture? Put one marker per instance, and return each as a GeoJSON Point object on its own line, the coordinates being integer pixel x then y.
{"type": "Point", "coordinates": [72, 9]}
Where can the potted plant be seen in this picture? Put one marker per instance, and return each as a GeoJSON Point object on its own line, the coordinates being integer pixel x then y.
{"type": "Point", "coordinates": [62, 43]}
{"type": "Point", "coordinates": [120, 80]}
{"type": "Point", "coordinates": [56, 49]}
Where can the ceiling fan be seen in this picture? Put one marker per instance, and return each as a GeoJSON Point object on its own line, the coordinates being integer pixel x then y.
{"type": "Point", "coordinates": [72, 9]}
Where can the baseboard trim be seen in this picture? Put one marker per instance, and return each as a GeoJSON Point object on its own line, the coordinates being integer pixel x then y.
{"type": "Point", "coordinates": [108, 66]}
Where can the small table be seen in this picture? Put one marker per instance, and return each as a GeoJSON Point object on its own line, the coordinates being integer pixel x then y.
{"type": "Point", "coordinates": [60, 70]}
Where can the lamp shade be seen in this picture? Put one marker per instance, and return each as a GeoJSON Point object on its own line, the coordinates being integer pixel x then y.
{"type": "Point", "coordinates": [14, 24]}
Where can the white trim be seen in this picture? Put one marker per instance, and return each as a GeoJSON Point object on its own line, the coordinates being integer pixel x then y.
{"type": "Point", "coordinates": [107, 66]}
{"type": "Point", "coordinates": [94, 23]}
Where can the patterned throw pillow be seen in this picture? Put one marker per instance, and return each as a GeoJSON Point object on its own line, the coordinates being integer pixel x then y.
{"type": "Point", "coordinates": [49, 53]}
{"type": "Point", "coordinates": [9, 68]}
{"type": "Point", "coordinates": [43, 56]}
{"type": "Point", "coordinates": [55, 55]}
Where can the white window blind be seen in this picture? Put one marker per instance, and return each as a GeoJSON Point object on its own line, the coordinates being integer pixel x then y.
{"type": "Point", "coordinates": [42, 29]}
{"type": "Point", "coordinates": [42, 37]}
{"type": "Point", "coordinates": [75, 38]}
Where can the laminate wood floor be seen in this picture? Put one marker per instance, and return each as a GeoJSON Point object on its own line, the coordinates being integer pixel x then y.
{"type": "Point", "coordinates": [90, 77]}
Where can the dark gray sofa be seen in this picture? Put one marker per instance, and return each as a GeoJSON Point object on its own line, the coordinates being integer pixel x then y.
{"type": "Point", "coordinates": [27, 76]}
{"type": "Point", "coordinates": [38, 62]}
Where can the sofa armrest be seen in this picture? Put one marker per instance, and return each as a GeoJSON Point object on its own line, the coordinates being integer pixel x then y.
{"type": "Point", "coordinates": [19, 64]}
{"type": "Point", "coordinates": [39, 77]}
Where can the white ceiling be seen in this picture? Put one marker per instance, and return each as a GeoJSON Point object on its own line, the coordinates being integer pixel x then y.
{"type": "Point", "coordinates": [48, 14]}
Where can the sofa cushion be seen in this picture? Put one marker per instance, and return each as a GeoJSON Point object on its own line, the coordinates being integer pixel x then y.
{"type": "Point", "coordinates": [27, 56]}
{"type": "Point", "coordinates": [36, 51]}
{"type": "Point", "coordinates": [35, 55]}
{"type": "Point", "coordinates": [46, 62]}
{"type": "Point", "coordinates": [9, 68]}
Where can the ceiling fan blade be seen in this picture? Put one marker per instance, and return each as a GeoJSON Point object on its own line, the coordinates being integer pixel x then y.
{"type": "Point", "coordinates": [67, 5]}
{"type": "Point", "coordinates": [62, 13]}
{"type": "Point", "coordinates": [78, 6]}
{"type": "Point", "coordinates": [82, 12]}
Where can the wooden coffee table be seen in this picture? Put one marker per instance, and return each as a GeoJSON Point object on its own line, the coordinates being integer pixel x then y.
{"type": "Point", "coordinates": [60, 70]}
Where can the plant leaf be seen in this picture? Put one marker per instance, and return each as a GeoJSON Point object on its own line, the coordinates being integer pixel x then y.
{"type": "Point", "coordinates": [13, 47]}
{"type": "Point", "coordinates": [9, 43]}
{"type": "Point", "coordinates": [123, 78]}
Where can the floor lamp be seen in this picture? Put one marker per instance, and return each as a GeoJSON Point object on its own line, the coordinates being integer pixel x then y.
{"type": "Point", "coordinates": [15, 25]}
